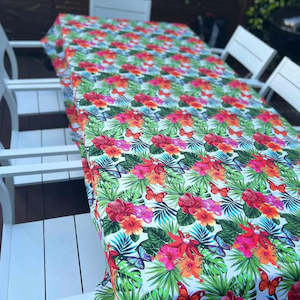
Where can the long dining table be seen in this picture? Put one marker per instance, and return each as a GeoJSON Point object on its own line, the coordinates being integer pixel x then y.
{"type": "Point", "coordinates": [193, 180]}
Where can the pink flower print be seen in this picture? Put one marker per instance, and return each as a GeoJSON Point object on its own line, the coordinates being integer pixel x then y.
{"type": "Point", "coordinates": [122, 118]}
{"type": "Point", "coordinates": [278, 141]}
{"type": "Point", "coordinates": [212, 206]}
{"type": "Point", "coordinates": [140, 171]}
{"type": "Point", "coordinates": [123, 145]}
{"type": "Point", "coordinates": [265, 117]}
{"type": "Point", "coordinates": [143, 212]}
{"type": "Point", "coordinates": [173, 118]}
{"type": "Point", "coordinates": [167, 255]}
{"type": "Point", "coordinates": [158, 100]}
{"type": "Point", "coordinates": [273, 201]}
{"type": "Point", "coordinates": [245, 245]}
{"type": "Point", "coordinates": [201, 167]}
{"type": "Point", "coordinates": [179, 143]}
{"type": "Point", "coordinates": [256, 165]}
{"type": "Point", "coordinates": [109, 99]}
{"type": "Point", "coordinates": [220, 117]}
{"type": "Point", "coordinates": [230, 142]}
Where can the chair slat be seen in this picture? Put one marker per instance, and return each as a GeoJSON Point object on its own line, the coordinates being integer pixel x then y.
{"type": "Point", "coordinates": [27, 262]}
{"type": "Point", "coordinates": [54, 137]}
{"type": "Point", "coordinates": [28, 139]}
{"type": "Point", "coordinates": [133, 9]}
{"type": "Point", "coordinates": [61, 258]}
{"type": "Point", "coordinates": [91, 254]}
{"type": "Point", "coordinates": [48, 101]}
{"type": "Point", "coordinates": [27, 102]}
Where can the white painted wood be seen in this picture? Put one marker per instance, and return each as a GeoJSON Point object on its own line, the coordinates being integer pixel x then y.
{"type": "Point", "coordinates": [88, 296]}
{"type": "Point", "coordinates": [6, 48]}
{"type": "Point", "coordinates": [133, 9]}
{"type": "Point", "coordinates": [40, 168]}
{"type": "Point", "coordinates": [25, 44]}
{"type": "Point", "coordinates": [61, 100]}
{"type": "Point", "coordinates": [26, 276]}
{"type": "Point", "coordinates": [32, 81]}
{"type": "Point", "coordinates": [285, 81]}
{"type": "Point", "coordinates": [254, 54]}
{"type": "Point", "coordinates": [37, 86]}
{"type": "Point", "coordinates": [7, 216]}
{"type": "Point", "coordinates": [48, 101]}
{"type": "Point", "coordinates": [29, 152]}
{"type": "Point", "coordinates": [54, 137]}
{"type": "Point", "coordinates": [253, 82]}
{"type": "Point", "coordinates": [27, 84]}
{"type": "Point", "coordinates": [28, 139]}
{"type": "Point", "coordinates": [72, 157]}
{"type": "Point", "coordinates": [32, 101]}
{"type": "Point", "coordinates": [27, 102]}
{"type": "Point", "coordinates": [217, 50]}
{"type": "Point", "coordinates": [49, 259]}
{"type": "Point", "coordinates": [89, 246]}
{"type": "Point", "coordinates": [61, 259]}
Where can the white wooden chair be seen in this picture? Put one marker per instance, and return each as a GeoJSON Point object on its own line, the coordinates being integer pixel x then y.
{"type": "Point", "coordinates": [285, 81]}
{"type": "Point", "coordinates": [139, 10]}
{"type": "Point", "coordinates": [34, 96]}
{"type": "Point", "coordinates": [49, 259]}
{"type": "Point", "coordinates": [41, 139]}
{"type": "Point", "coordinates": [254, 54]}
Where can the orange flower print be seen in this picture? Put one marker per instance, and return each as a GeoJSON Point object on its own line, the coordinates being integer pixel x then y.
{"type": "Point", "coordinates": [225, 148]}
{"type": "Point", "coordinates": [269, 211]}
{"type": "Point", "coordinates": [171, 149]}
{"type": "Point", "coordinates": [157, 178]}
{"type": "Point", "coordinates": [266, 254]}
{"type": "Point", "coordinates": [216, 174]}
{"type": "Point", "coordinates": [100, 103]}
{"type": "Point", "coordinates": [186, 121]}
{"type": "Point", "coordinates": [271, 170]}
{"type": "Point", "coordinates": [205, 217]}
{"type": "Point", "coordinates": [190, 267]}
{"type": "Point", "coordinates": [275, 147]}
{"type": "Point", "coordinates": [112, 151]}
{"type": "Point", "coordinates": [135, 122]}
{"type": "Point", "coordinates": [132, 225]}
{"type": "Point", "coordinates": [233, 121]}
{"type": "Point", "coordinates": [196, 105]}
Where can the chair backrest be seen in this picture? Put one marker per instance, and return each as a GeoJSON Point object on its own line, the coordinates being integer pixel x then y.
{"type": "Point", "coordinates": [285, 81]}
{"type": "Point", "coordinates": [6, 207]}
{"type": "Point", "coordinates": [250, 51]}
{"type": "Point", "coordinates": [11, 102]}
{"type": "Point", "coordinates": [6, 48]}
{"type": "Point", "coordinates": [138, 10]}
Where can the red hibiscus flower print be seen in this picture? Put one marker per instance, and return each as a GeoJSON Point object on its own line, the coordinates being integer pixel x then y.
{"type": "Point", "coordinates": [189, 203]}
{"type": "Point", "coordinates": [118, 210]}
{"type": "Point", "coordinates": [184, 244]}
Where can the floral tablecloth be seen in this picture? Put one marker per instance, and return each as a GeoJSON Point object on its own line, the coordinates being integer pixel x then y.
{"type": "Point", "coordinates": [193, 181]}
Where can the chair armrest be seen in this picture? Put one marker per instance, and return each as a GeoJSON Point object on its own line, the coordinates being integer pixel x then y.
{"type": "Point", "coordinates": [217, 50]}
{"type": "Point", "coordinates": [252, 82]}
{"type": "Point", "coordinates": [40, 168]}
{"type": "Point", "coordinates": [297, 128]}
{"type": "Point", "coordinates": [33, 84]}
{"type": "Point", "coordinates": [38, 151]}
{"type": "Point", "coordinates": [25, 44]}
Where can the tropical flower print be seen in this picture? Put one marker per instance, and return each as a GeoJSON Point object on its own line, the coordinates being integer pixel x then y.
{"type": "Point", "coordinates": [192, 179]}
